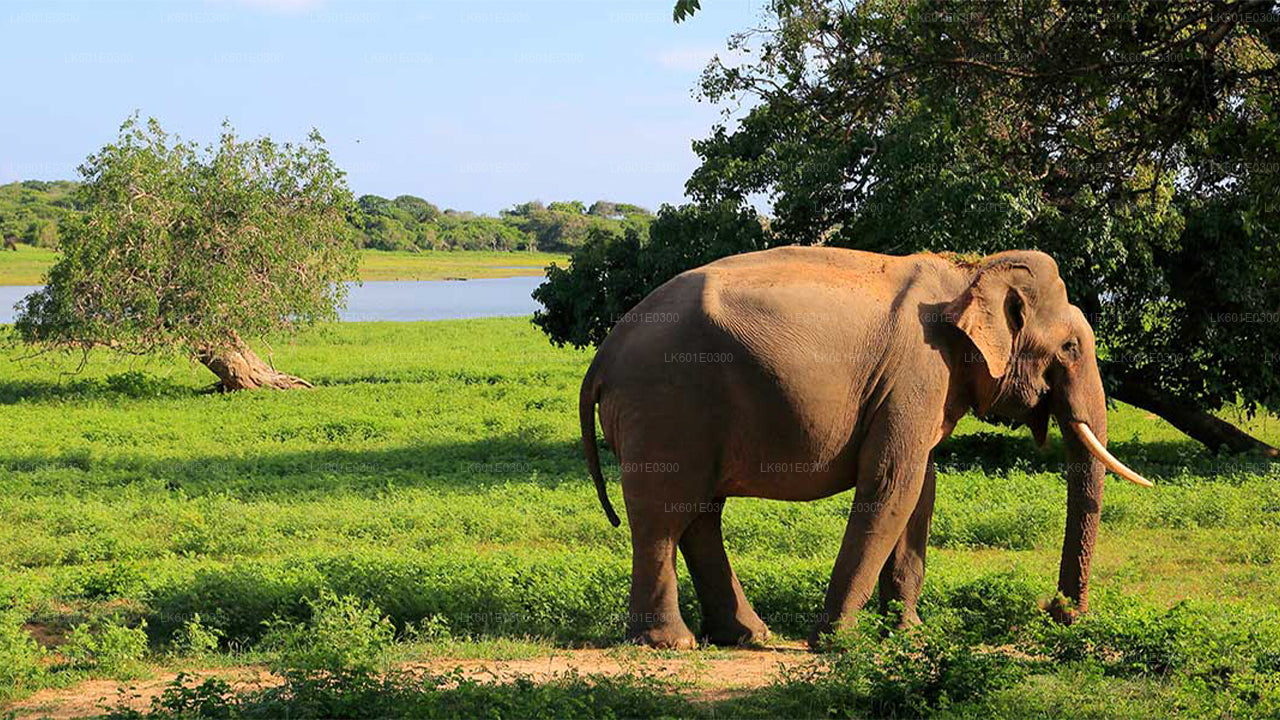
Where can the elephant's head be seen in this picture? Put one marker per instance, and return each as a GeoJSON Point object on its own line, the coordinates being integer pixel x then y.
{"type": "Point", "coordinates": [1033, 356]}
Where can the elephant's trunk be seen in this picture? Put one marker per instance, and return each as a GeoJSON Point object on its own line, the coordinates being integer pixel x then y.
{"type": "Point", "coordinates": [1080, 406]}
{"type": "Point", "coordinates": [1081, 400]}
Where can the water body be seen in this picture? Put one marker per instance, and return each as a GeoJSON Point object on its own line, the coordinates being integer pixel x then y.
{"type": "Point", "coordinates": [399, 300]}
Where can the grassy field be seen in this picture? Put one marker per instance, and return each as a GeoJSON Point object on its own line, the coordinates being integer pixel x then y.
{"type": "Point", "coordinates": [444, 265]}
{"type": "Point", "coordinates": [428, 499]}
{"type": "Point", "coordinates": [28, 265]}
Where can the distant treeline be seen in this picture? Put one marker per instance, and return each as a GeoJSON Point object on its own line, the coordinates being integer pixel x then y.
{"type": "Point", "coordinates": [31, 210]}
{"type": "Point", "coordinates": [409, 222]}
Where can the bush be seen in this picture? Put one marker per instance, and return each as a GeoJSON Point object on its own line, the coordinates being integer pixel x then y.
{"type": "Point", "coordinates": [106, 646]}
{"type": "Point", "coordinates": [1192, 639]}
{"type": "Point", "coordinates": [213, 698]}
{"type": "Point", "coordinates": [194, 638]}
{"type": "Point", "coordinates": [236, 600]}
{"type": "Point", "coordinates": [918, 671]}
{"type": "Point", "coordinates": [874, 671]}
{"type": "Point", "coordinates": [567, 596]}
{"type": "Point", "coordinates": [20, 656]}
{"type": "Point", "coordinates": [994, 608]}
{"type": "Point", "coordinates": [345, 635]}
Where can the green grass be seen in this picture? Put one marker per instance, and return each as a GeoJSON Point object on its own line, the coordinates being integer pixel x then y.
{"type": "Point", "coordinates": [444, 265]}
{"type": "Point", "coordinates": [435, 473]}
{"type": "Point", "coordinates": [29, 264]}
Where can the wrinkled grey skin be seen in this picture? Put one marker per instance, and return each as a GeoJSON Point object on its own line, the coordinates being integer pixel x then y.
{"type": "Point", "coordinates": [797, 373]}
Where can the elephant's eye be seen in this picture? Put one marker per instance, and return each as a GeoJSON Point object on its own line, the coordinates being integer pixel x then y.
{"type": "Point", "coordinates": [1071, 347]}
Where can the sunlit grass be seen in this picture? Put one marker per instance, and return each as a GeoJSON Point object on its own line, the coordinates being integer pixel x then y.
{"type": "Point", "coordinates": [25, 266]}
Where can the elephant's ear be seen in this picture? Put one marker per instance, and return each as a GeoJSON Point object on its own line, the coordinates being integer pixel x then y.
{"type": "Point", "coordinates": [991, 312]}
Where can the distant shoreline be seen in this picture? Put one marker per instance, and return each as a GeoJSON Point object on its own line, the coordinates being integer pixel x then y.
{"type": "Point", "coordinates": [28, 265]}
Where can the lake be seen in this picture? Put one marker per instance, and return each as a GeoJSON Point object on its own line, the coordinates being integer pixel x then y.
{"type": "Point", "coordinates": [399, 300]}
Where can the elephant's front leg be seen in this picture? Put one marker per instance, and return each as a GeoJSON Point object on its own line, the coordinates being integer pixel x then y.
{"type": "Point", "coordinates": [891, 473]}
{"type": "Point", "coordinates": [902, 577]}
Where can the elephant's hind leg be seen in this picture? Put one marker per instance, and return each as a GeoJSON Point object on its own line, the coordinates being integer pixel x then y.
{"type": "Point", "coordinates": [902, 577]}
{"type": "Point", "coordinates": [727, 616]}
{"type": "Point", "coordinates": [653, 612]}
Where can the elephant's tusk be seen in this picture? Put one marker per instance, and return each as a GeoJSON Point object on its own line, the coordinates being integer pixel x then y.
{"type": "Point", "coordinates": [1095, 446]}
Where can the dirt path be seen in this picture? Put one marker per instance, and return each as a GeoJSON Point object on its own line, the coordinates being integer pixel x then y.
{"type": "Point", "coordinates": [709, 674]}
{"type": "Point", "coordinates": [91, 697]}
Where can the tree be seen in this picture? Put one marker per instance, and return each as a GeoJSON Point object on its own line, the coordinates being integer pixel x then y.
{"type": "Point", "coordinates": [569, 207]}
{"type": "Point", "coordinates": [613, 271]}
{"type": "Point", "coordinates": [420, 210]}
{"type": "Point", "coordinates": [189, 250]}
{"type": "Point", "coordinates": [566, 225]}
{"type": "Point", "coordinates": [603, 208]}
{"type": "Point", "coordinates": [1136, 141]}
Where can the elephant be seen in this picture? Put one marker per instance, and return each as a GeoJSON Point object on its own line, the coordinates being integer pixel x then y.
{"type": "Point", "coordinates": [800, 372]}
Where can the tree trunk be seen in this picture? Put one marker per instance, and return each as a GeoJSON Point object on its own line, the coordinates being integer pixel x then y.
{"type": "Point", "coordinates": [239, 368]}
{"type": "Point", "coordinates": [1201, 426]}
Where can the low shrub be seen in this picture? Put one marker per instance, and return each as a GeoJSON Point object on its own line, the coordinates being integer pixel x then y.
{"type": "Point", "coordinates": [105, 646]}
{"type": "Point", "coordinates": [345, 635]}
{"type": "Point", "coordinates": [195, 638]}
{"type": "Point", "coordinates": [872, 670]}
{"type": "Point", "coordinates": [992, 608]}
{"type": "Point", "coordinates": [21, 658]}
{"type": "Point", "coordinates": [915, 672]}
{"type": "Point", "coordinates": [1192, 640]}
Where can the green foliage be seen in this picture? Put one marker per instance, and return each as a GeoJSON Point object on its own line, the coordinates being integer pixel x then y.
{"type": "Point", "coordinates": [685, 9]}
{"type": "Point", "coordinates": [30, 211]}
{"type": "Point", "coordinates": [212, 698]}
{"type": "Point", "coordinates": [106, 646]}
{"type": "Point", "coordinates": [182, 249]}
{"type": "Point", "coordinates": [40, 214]}
{"type": "Point", "coordinates": [910, 673]}
{"type": "Point", "coordinates": [564, 226]}
{"type": "Point", "coordinates": [992, 609]}
{"type": "Point", "coordinates": [1136, 142]}
{"type": "Point", "coordinates": [343, 635]}
{"type": "Point", "coordinates": [21, 659]}
{"type": "Point", "coordinates": [401, 694]}
{"type": "Point", "coordinates": [196, 639]}
{"type": "Point", "coordinates": [610, 274]}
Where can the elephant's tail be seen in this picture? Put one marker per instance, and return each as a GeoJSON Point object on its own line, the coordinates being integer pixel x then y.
{"type": "Point", "coordinates": [587, 415]}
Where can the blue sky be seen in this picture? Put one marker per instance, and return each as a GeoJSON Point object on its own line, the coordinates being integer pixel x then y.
{"type": "Point", "coordinates": [474, 105]}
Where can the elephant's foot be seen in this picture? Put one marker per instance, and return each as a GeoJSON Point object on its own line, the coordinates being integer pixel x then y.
{"type": "Point", "coordinates": [907, 620]}
{"type": "Point", "coordinates": [1062, 611]}
{"type": "Point", "coordinates": [824, 628]}
{"type": "Point", "coordinates": [671, 636]}
{"type": "Point", "coordinates": [736, 631]}
{"type": "Point", "coordinates": [820, 634]}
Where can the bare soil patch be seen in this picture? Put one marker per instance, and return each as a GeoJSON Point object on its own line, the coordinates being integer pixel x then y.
{"type": "Point", "coordinates": [706, 675]}
{"type": "Point", "coordinates": [91, 697]}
